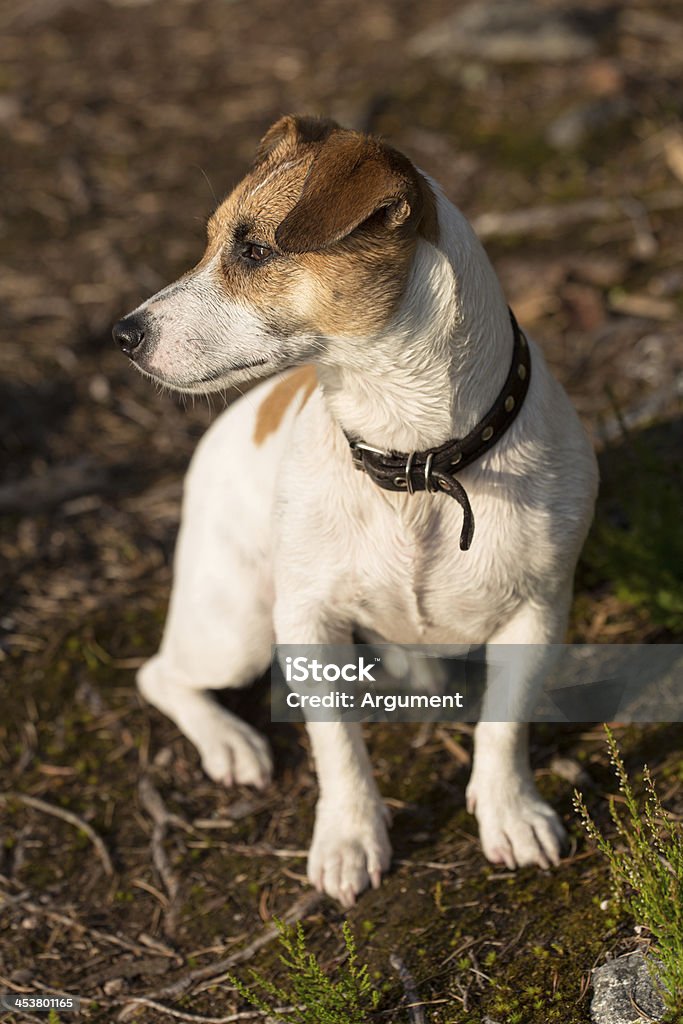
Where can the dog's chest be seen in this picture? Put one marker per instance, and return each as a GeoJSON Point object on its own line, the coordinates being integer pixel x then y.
{"type": "Point", "coordinates": [391, 563]}
{"type": "Point", "coordinates": [407, 580]}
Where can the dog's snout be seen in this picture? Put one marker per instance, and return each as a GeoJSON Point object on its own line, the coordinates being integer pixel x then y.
{"type": "Point", "coordinates": [129, 334]}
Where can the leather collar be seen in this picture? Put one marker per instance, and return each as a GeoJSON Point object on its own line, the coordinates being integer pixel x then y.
{"type": "Point", "coordinates": [434, 470]}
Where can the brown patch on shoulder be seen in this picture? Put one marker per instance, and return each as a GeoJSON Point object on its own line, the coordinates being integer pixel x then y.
{"type": "Point", "coordinates": [272, 409]}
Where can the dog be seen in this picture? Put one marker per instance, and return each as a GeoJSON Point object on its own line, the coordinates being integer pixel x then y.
{"type": "Point", "coordinates": [342, 274]}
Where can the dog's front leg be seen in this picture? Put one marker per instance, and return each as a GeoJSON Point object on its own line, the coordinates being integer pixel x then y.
{"type": "Point", "coordinates": [350, 847]}
{"type": "Point", "coordinates": [517, 827]}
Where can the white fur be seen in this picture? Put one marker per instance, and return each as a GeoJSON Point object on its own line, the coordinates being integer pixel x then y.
{"type": "Point", "coordinates": [287, 541]}
{"type": "Point", "coordinates": [191, 319]}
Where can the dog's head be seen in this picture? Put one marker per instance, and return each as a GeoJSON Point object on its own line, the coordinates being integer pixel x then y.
{"type": "Point", "coordinates": [315, 243]}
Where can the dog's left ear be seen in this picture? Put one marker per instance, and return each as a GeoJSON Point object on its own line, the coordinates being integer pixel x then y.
{"type": "Point", "coordinates": [350, 179]}
{"type": "Point", "coordinates": [293, 129]}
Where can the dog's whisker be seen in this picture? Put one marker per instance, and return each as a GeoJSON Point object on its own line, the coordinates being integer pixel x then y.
{"type": "Point", "coordinates": [208, 182]}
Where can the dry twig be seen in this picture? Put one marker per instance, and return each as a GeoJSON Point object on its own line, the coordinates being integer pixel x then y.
{"type": "Point", "coordinates": [151, 800]}
{"type": "Point", "coordinates": [212, 972]}
{"type": "Point", "coordinates": [498, 224]}
{"type": "Point", "coordinates": [195, 1018]}
{"type": "Point", "coordinates": [454, 748]}
{"type": "Point", "coordinates": [95, 933]}
{"type": "Point", "coordinates": [71, 818]}
{"type": "Point", "coordinates": [414, 1007]}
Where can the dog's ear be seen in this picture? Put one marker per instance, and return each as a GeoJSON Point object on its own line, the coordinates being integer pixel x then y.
{"type": "Point", "coordinates": [293, 129]}
{"type": "Point", "coordinates": [351, 178]}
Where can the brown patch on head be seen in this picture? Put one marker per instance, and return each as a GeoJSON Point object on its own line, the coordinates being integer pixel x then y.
{"type": "Point", "coordinates": [351, 178]}
{"type": "Point", "coordinates": [341, 212]}
{"type": "Point", "coordinates": [275, 404]}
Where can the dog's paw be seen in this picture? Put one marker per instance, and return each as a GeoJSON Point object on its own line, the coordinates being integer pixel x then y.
{"type": "Point", "coordinates": [350, 849]}
{"type": "Point", "coordinates": [517, 828]}
{"type": "Point", "coordinates": [233, 753]}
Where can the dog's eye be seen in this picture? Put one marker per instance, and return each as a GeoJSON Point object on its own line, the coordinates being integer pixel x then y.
{"type": "Point", "coordinates": [255, 253]}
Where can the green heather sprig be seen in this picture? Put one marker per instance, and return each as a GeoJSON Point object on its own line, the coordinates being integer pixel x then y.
{"type": "Point", "coordinates": [311, 997]}
{"type": "Point", "coordinates": [646, 865]}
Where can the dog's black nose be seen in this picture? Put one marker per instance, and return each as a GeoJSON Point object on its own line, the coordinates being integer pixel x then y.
{"type": "Point", "coordinates": [129, 334]}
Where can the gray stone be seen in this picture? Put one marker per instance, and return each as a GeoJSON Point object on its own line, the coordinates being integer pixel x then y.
{"type": "Point", "coordinates": [575, 126]}
{"type": "Point", "coordinates": [620, 988]}
{"type": "Point", "coordinates": [509, 30]}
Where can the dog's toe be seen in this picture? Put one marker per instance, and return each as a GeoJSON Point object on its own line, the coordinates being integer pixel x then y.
{"type": "Point", "coordinates": [519, 829]}
{"type": "Point", "coordinates": [233, 753]}
{"type": "Point", "coordinates": [349, 852]}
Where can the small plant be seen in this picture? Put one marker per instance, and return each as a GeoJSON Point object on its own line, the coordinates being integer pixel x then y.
{"type": "Point", "coordinates": [647, 873]}
{"type": "Point", "coordinates": [312, 997]}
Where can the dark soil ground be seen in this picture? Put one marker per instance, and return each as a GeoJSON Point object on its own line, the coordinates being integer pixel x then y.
{"type": "Point", "coordinates": [119, 118]}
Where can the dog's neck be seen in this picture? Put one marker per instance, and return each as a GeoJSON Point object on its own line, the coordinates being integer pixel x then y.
{"type": "Point", "coordinates": [438, 368]}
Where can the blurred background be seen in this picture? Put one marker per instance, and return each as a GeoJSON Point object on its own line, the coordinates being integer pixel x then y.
{"type": "Point", "coordinates": [557, 129]}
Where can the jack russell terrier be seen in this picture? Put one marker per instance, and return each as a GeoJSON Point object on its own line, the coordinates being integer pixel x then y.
{"type": "Point", "coordinates": [339, 267]}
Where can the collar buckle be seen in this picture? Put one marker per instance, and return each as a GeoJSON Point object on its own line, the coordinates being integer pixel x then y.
{"type": "Point", "coordinates": [409, 473]}
{"type": "Point", "coordinates": [357, 450]}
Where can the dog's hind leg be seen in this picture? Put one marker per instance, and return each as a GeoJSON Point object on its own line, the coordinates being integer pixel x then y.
{"type": "Point", "coordinates": [177, 683]}
{"type": "Point", "coordinates": [517, 827]}
{"type": "Point", "coordinates": [219, 630]}
{"type": "Point", "coordinates": [218, 634]}
{"type": "Point", "coordinates": [231, 751]}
